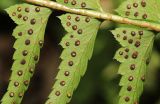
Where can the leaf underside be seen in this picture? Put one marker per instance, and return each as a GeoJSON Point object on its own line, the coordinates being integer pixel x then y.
{"type": "Point", "coordinates": [29, 36]}
{"type": "Point", "coordinates": [134, 56]}
{"type": "Point", "coordinates": [137, 46]}
{"type": "Point", "coordinates": [78, 46]}
{"type": "Point", "coordinates": [140, 9]}
{"type": "Point", "coordinates": [78, 43]}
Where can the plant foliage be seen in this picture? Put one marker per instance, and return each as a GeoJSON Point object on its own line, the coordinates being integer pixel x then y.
{"type": "Point", "coordinates": [83, 4]}
{"type": "Point", "coordinates": [140, 9]}
{"type": "Point", "coordinates": [78, 44]}
{"type": "Point", "coordinates": [137, 46]}
{"type": "Point", "coordinates": [29, 33]}
{"type": "Point", "coordinates": [134, 55]}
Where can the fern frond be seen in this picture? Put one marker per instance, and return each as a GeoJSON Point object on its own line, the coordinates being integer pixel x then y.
{"type": "Point", "coordinates": [134, 55]}
{"type": "Point", "coordinates": [29, 33]}
{"type": "Point", "coordinates": [78, 46]}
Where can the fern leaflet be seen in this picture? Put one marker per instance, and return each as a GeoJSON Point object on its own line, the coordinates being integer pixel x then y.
{"type": "Point", "coordinates": [78, 46]}
{"type": "Point", "coordinates": [134, 55]}
{"type": "Point", "coordinates": [29, 33]}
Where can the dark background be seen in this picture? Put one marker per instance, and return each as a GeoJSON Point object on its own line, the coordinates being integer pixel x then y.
{"type": "Point", "coordinates": [98, 86]}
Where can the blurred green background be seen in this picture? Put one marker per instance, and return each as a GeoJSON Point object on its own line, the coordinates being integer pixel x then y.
{"type": "Point", "coordinates": [98, 86]}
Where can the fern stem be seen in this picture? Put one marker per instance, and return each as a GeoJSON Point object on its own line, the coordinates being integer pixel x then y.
{"type": "Point", "coordinates": [96, 14]}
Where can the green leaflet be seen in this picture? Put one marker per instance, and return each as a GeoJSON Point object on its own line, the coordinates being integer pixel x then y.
{"type": "Point", "coordinates": [78, 46]}
{"type": "Point", "coordinates": [89, 4]}
{"type": "Point", "coordinates": [134, 55]}
{"type": "Point", "coordinates": [29, 33]}
{"type": "Point", "coordinates": [137, 46]}
{"type": "Point", "coordinates": [140, 9]}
